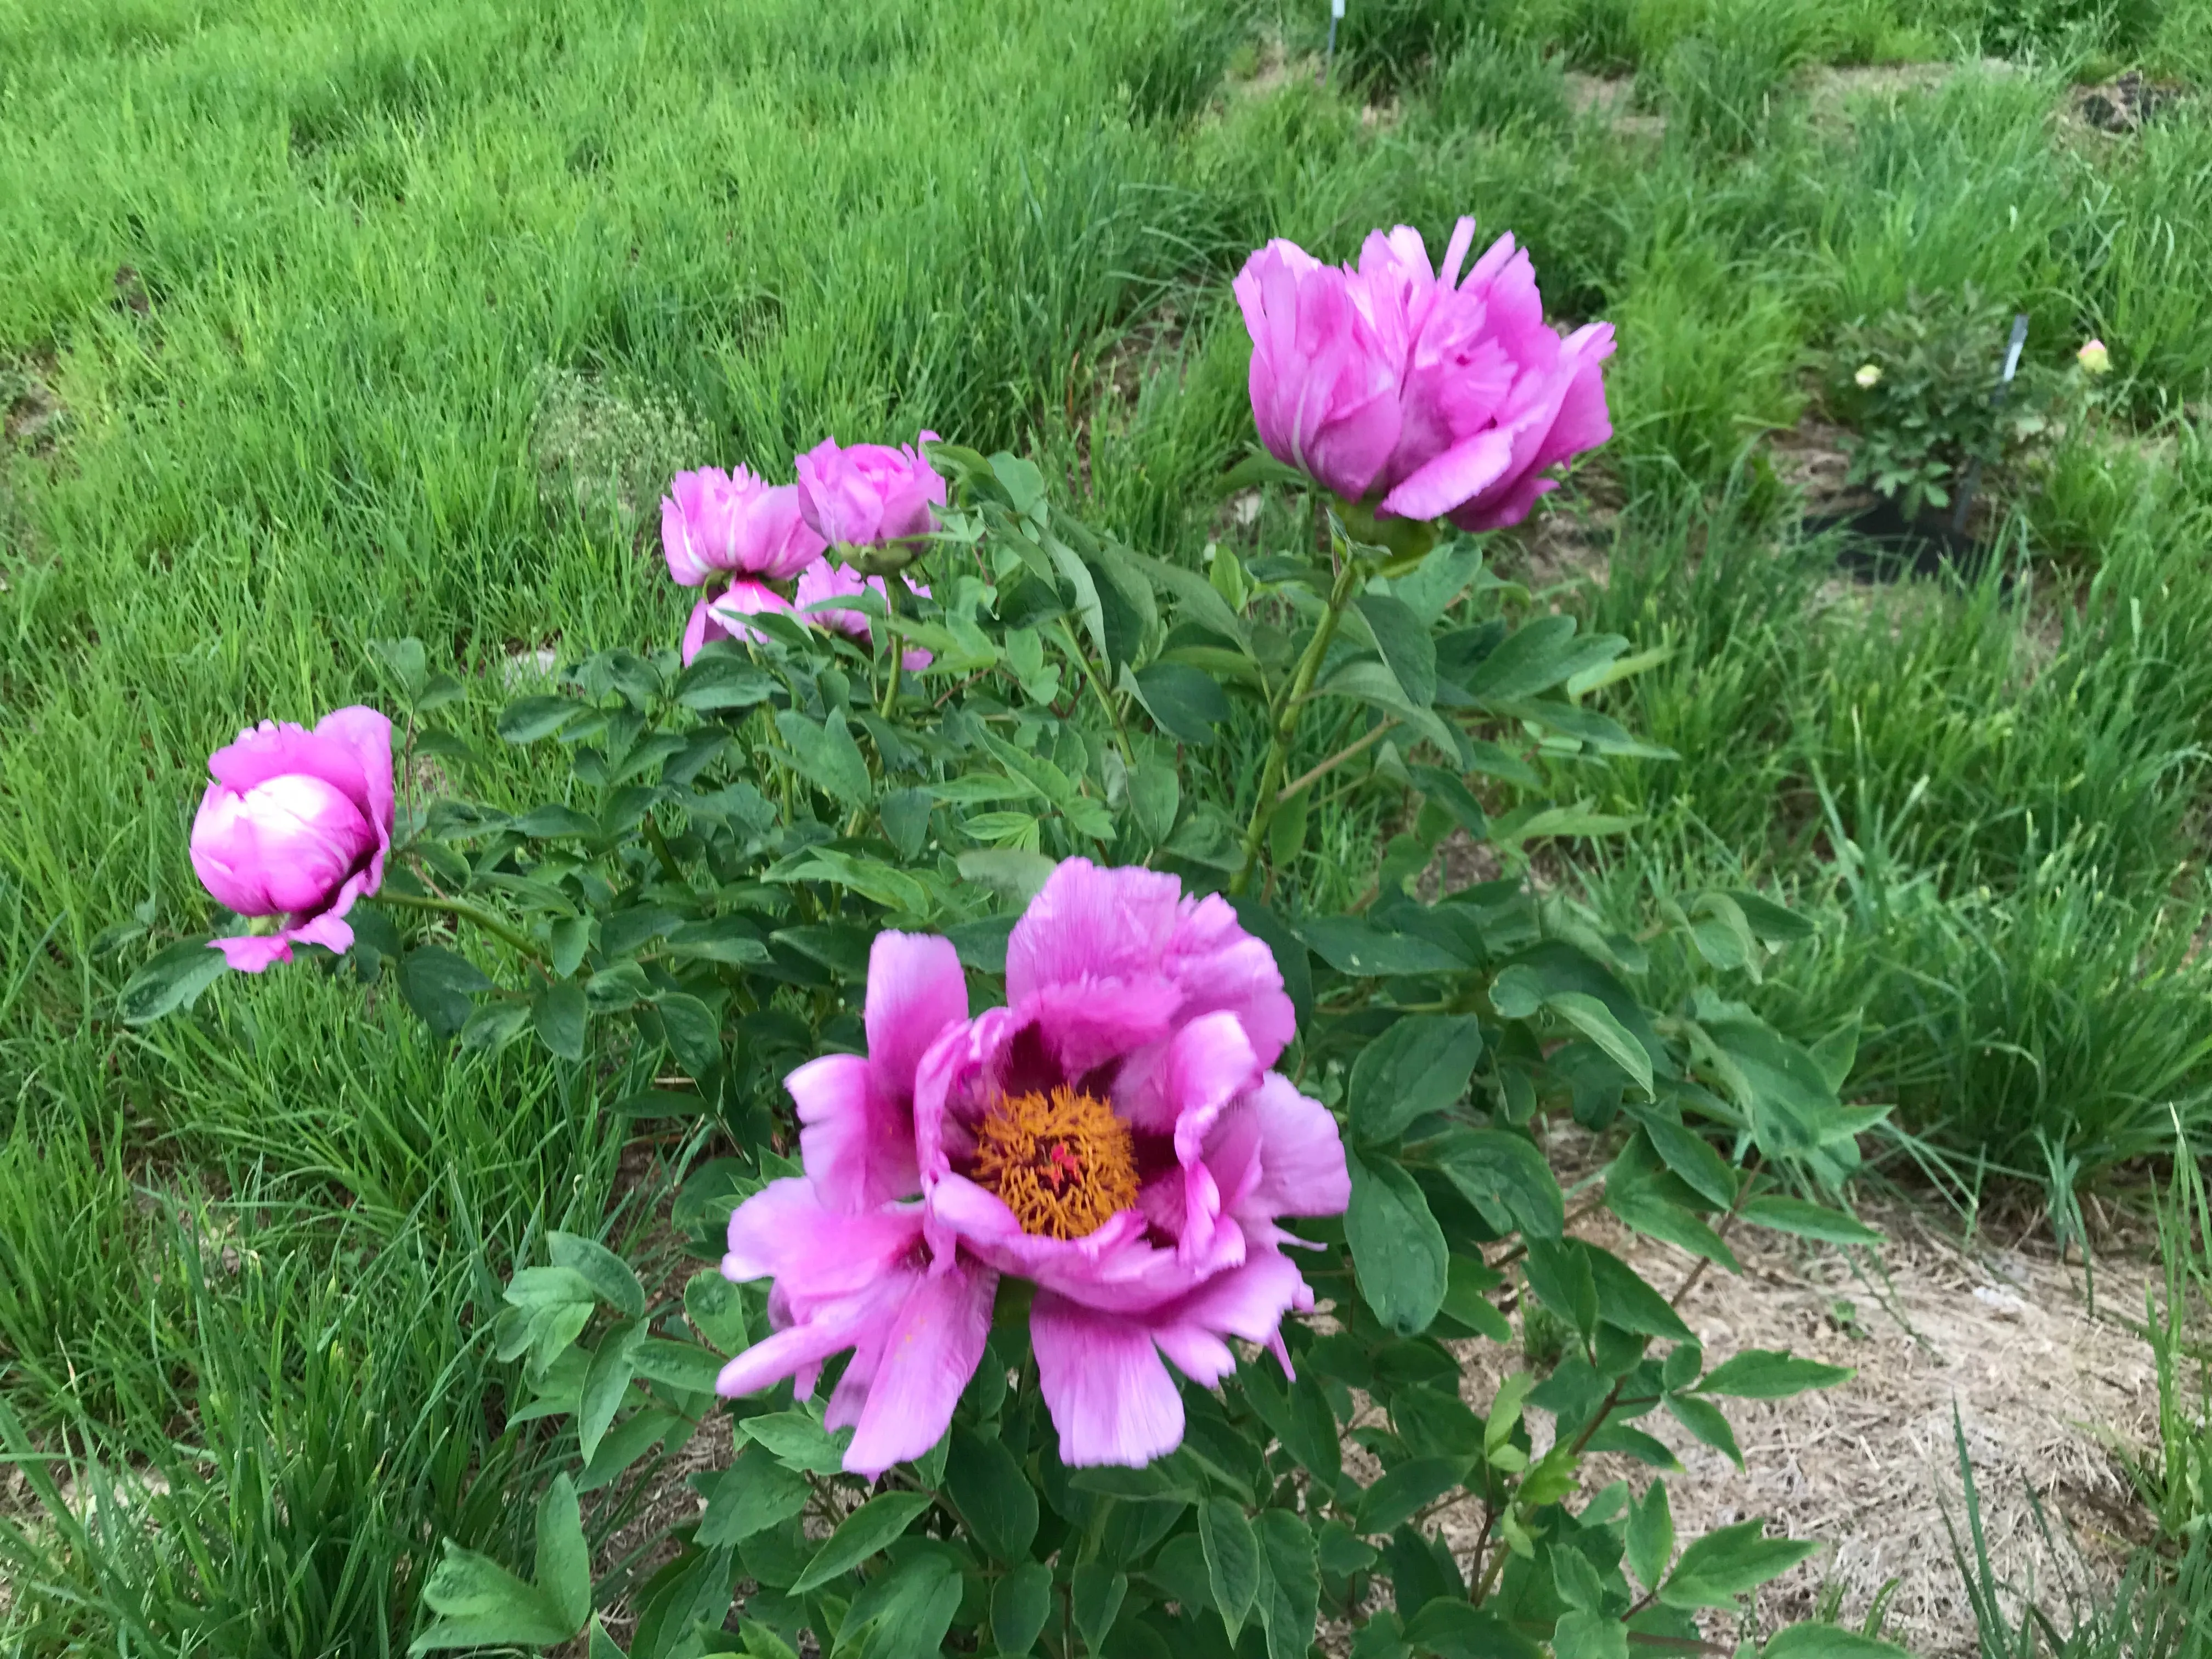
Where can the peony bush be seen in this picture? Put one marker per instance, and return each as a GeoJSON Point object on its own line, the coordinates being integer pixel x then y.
{"type": "Point", "coordinates": [1096, 1190]}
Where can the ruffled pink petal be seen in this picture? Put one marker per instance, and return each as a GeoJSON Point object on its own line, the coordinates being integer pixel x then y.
{"type": "Point", "coordinates": [821, 582]}
{"type": "Point", "coordinates": [1247, 1302]}
{"type": "Point", "coordinates": [1210, 1063]}
{"type": "Point", "coordinates": [271, 749]}
{"type": "Point", "coordinates": [1220, 967]}
{"type": "Point", "coordinates": [368, 735]}
{"type": "Point", "coordinates": [1086, 1023]}
{"type": "Point", "coordinates": [250, 953]}
{"type": "Point", "coordinates": [1111, 1396]}
{"type": "Point", "coordinates": [1088, 923]}
{"type": "Point", "coordinates": [855, 1139]}
{"type": "Point", "coordinates": [785, 1233]}
{"type": "Point", "coordinates": [930, 1350]}
{"type": "Point", "coordinates": [916, 988]}
{"type": "Point", "coordinates": [694, 633]}
{"type": "Point", "coordinates": [803, 1347]}
{"type": "Point", "coordinates": [1302, 1168]}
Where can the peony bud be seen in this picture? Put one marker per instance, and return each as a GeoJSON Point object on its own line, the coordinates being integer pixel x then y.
{"type": "Point", "coordinates": [1868, 377]}
{"type": "Point", "coordinates": [2094, 358]}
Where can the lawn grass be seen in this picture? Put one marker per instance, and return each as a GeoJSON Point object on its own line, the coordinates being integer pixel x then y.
{"type": "Point", "coordinates": [324, 323]}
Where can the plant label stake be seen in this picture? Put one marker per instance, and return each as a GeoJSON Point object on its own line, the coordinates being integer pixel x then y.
{"type": "Point", "coordinates": [1997, 401]}
{"type": "Point", "coordinates": [1335, 11]}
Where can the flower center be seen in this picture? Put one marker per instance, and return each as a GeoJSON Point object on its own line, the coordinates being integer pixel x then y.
{"type": "Point", "coordinates": [1062, 1162]}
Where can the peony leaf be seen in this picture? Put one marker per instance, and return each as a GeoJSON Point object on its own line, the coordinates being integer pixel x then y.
{"type": "Point", "coordinates": [862, 1533]}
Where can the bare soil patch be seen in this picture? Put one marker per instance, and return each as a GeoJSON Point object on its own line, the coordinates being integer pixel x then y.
{"type": "Point", "coordinates": [2004, 1336]}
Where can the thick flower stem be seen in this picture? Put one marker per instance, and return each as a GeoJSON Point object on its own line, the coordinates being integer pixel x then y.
{"type": "Point", "coordinates": [898, 646]}
{"type": "Point", "coordinates": [467, 913]}
{"type": "Point", "coordinates": [1287, 714]}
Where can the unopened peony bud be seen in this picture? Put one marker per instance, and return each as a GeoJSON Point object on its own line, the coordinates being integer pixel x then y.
{"type": "Point", "coordinates": [2094, 358]}
{"type": "Point", "coordinates": [1868, 377]}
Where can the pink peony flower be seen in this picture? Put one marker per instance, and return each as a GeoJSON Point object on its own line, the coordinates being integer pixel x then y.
{"type": "Point", "coordinates": [823, 581]}
{"type": "Point", "coordinates": [296, 824]}
{"type": "Point", "coordinates": [722, 617]}
{"type": "Point", "coordinates": [1441, 397]}
{"type": "Point", "coordinates": [712, 521]}
{"type": "Point", "coordinates": [1113, 1134]}
{"type": "Point", "coordinates": [870, 494]}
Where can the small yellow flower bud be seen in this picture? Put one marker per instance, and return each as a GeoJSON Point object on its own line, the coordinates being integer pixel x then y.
{"type": "Point", "coordinates": [2094, 358]}
{"type": "Point", "coordinates": [1868, 377]}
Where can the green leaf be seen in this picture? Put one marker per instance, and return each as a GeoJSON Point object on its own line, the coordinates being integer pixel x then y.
{"type": "Point", "coordinates": [798, 1442]}
{"type": "Point", "coordinates": [481, 1604]}
{"type": "Point", "coordinates": [695, 1035]}
{"type": "Point", "coordinates": [1397, 1248]}
{"type": "Point", "coordinates": [1343, 1552]}
{"type": "Point", "coordinates": [1406, 644]}
{"type": "Point", "coordinates": [1626, 1301]}
{"type": "Point", "coordinates": [1724, 1564]}
{"type": "Point", "coordinates": [905, 814]}
{"type": "Point", "coordinates": [1773, 923]}
{"type": "Point", "coordinates": [730, 939]}
{"type": "Point", "coordinates": [1095, 1594]}
{"type": "Point", "coordinates": [1706, 1421]}
{"type": "Point", "coordinates": [607, 1273]}
{"type": "Point", "coordinates": [1015, 874]}
{"type": "Point", "coordinates": [994, 1497]}
{"type": "Point", "coordinates": [1506, 1178]}
{"type": "Point", "coordinates": [553, 821]}
{"type": "Point", "coordinates": [527, 720]}
{"type": "Point", "coordinates": [1577, 1580]}
{"type": "Point", "coordinates": [605, 1384]}
{"type": "Point", "coordinates": [721, 678]}
{"type": "Point", "coordinates": [1595, 1021]}
{"type": "Point", "coordinates": [1807, 1220]}
{"type": "Point", "coordinates": [754, 1493]}
{"type": "Point", "coordinates": [1420, 1065]}
{"type": "Point", "coordinates": [1232, 1560]}
{"type": "Point", "coordinates": [492, 1026]}
{"type": "Point", "coordinates": [1587, 1635]}
{"type": "Point", "coordinates": [1399, 1494]}
{"type": "Point", "coordinates": [1290, 1586]}
{"type": "Point", "coordinates": [1763, 1374]}
{"type": "Point", "coordinates": [1019, 1607]}
{"type": "Point", "coordinates": [683, 1366]}
{"type": "Point", "coordinates": [1650, 1536]}
{"type": "Point", "coordinates": [438, 985]}
{"type": "Point", "coordinates": [717, 1309]}
{"type": "Point", "coordinates": [1689, 1155]}
{"type": "Point", "coordinates": [602, 1645]}
{"type": "Point", "coordinates": [559, 1011]}
{"type": "Point", "coordinates": [564, 1560]}
{"type": "Point", "coordinates": [1199, 599]}
{"type": "Point", "coordinates": [906, 1611]}
{"type": "Point", "coordinates": [1156, 797]}
{"type": "Point", "coordinates": [1353, 946]}
{"type": "Point", "coordinates": [173, 980]}
{"type": "Point", "coordinates": [1558, 1271]}
{"type": "Point", "coordinates": [1827, 1642]}
{"type": "Point", "coordinates": [1451, 792]}
{"type": "Point", "coordinates": [1449, 1626]}
{"type": "Point", "coordinates": [827, 757]}
{"type": "Point", "coordinates": [1185, 702]}
{"type": "Point", "coordinates": [862, 1533]}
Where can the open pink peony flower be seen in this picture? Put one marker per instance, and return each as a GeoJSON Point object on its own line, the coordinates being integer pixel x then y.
{"type": "Point", "coordinates": [723, 616]}
{"type": "Point", "coordinates": [296, 824]}
{"type": "Point", "coordinates": [1433, 395]}
{"type": "Point", "coordinates": [821, 582]}
{"type": "Point", "coordinates": [712, 521]}
{"type": "Point", "coordinates": [1113, 1134]}
{"type": "Point", "coordinates": [868, 494]}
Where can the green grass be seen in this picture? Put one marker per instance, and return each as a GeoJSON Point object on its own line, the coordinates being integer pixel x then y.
{"type": "Point", "coordinates": [321, 323]}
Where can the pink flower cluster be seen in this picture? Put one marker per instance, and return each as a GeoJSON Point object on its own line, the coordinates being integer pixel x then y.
{"type": "Point", "coordinates": [747, 539]}
{"type": "Point", "coordinates": [1431, 395]}
{"type": "Point", "coordinates": [1114, 1135]}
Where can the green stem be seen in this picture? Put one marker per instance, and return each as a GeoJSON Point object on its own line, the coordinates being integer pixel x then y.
{"type": "Point", "coordinates": [898, 646]}
{"type": "Point", "coordinates": [468, 913]}
{"type": "Point", "coordinates": [1286, 721]}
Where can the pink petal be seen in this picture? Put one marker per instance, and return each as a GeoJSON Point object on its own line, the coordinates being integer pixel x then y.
{"type": "Point", "coordinates": [929, 1351]}
{"type": "Point", "coordinates": [916, 988]}
{"type": "Point", "coordinates": [250, 953]}
{"type": "Point", "coordinates": [785, 1233]}
{"type": "Point", "coordinates": [325, 930]}
{"type": "Point", "coordinates": [1301, 1155]}
{"type": "Point", "coordinates": [1247, 1302]}
{"type": "Point", "coordinates": [1111, 1396]}
{"type": "Point", "coordinates": [1460, 472]}
{"type": "Point", "coordinates": [806, 1344]}
{"type": "Point", "coordinates": [368, 735]}
{"type": "Point", "coordinates": [694, 633]}
{"type": "Point", "coordinates": [855, 1139]}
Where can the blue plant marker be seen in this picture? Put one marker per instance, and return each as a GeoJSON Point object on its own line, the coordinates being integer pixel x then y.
{"type": "Point", "coordinates": [1335, 11]}
{"type": "Point", "coordinates": [1997, 400]}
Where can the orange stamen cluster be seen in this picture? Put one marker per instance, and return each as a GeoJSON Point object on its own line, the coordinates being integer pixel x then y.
{"type": "Point", "coordinates": [1062, 1162]}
